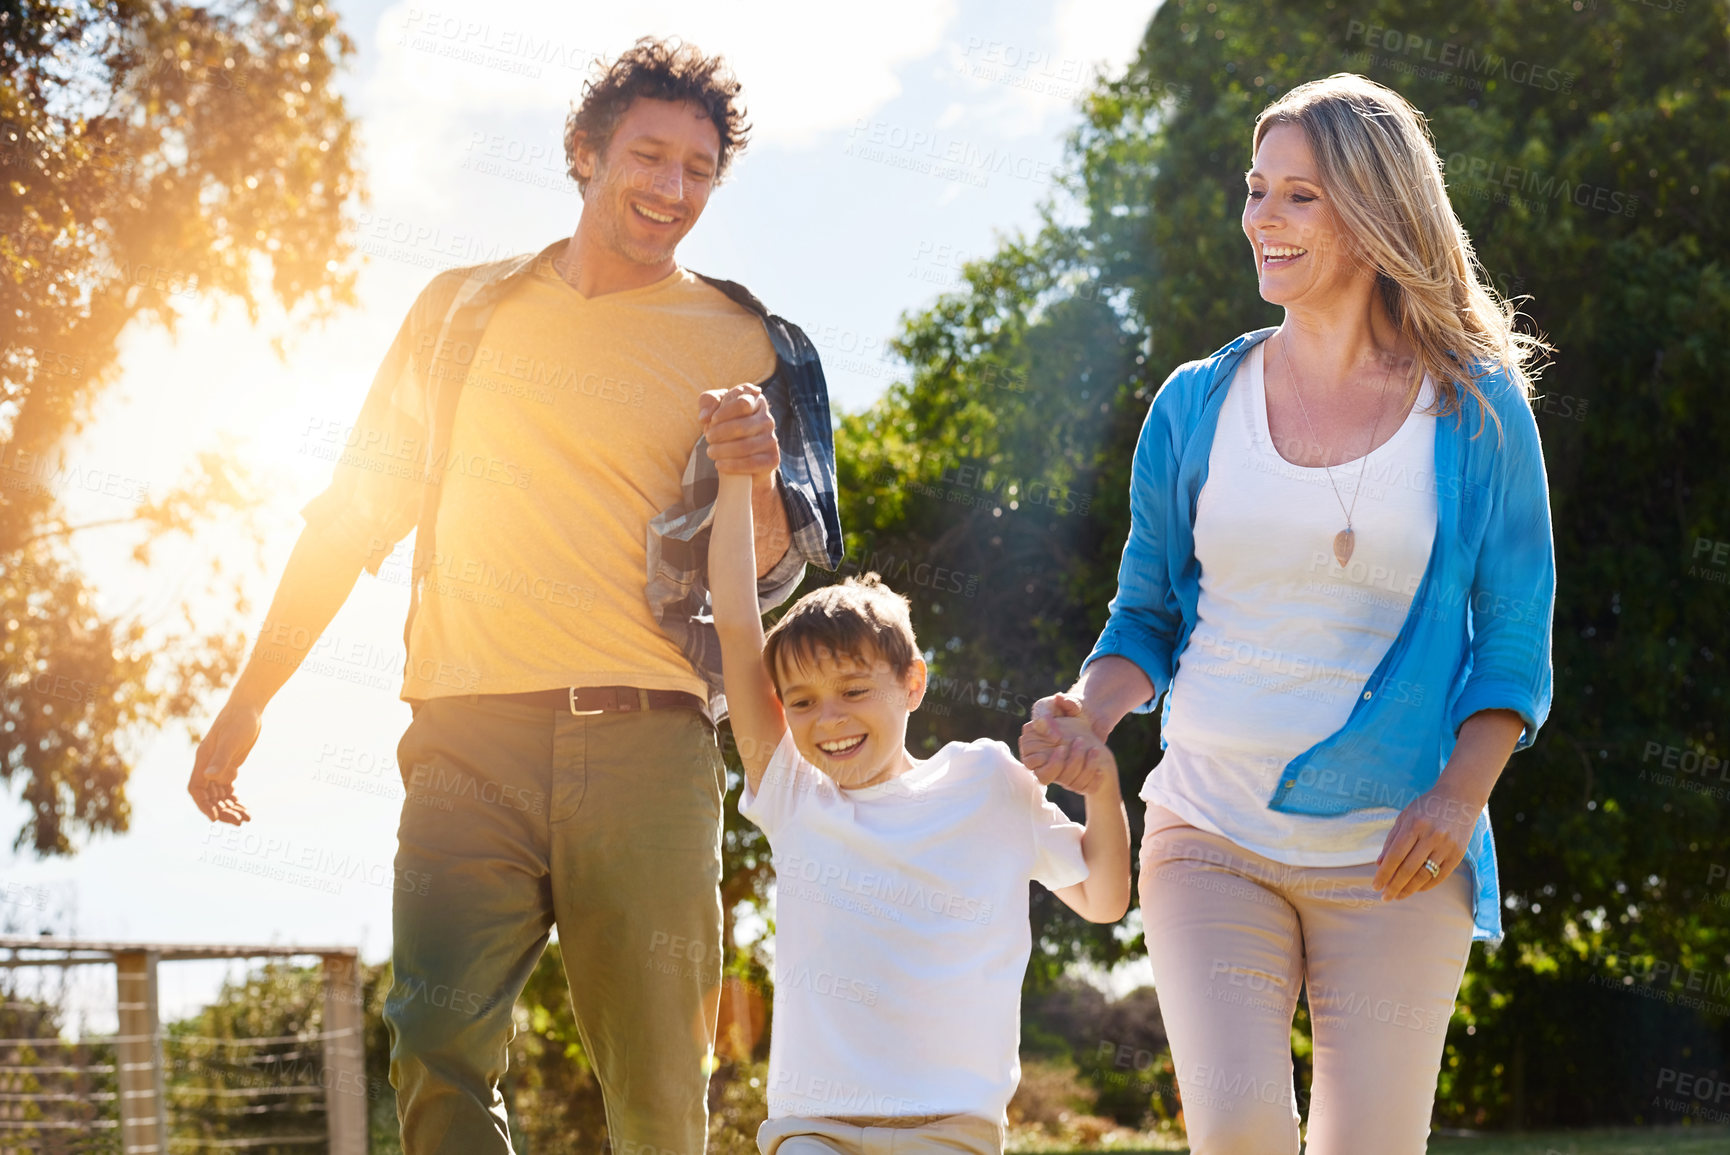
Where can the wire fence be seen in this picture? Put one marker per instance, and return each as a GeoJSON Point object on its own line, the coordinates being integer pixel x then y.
{"type": "Point", "coordinates": [148, 1090]}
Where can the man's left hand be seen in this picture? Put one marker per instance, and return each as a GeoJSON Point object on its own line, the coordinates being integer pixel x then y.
{"type": "Point", "coordinates": [740, 430]}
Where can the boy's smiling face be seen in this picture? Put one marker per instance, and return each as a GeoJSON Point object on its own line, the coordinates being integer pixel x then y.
{"type": "Point", "coordinates": [848, 714]}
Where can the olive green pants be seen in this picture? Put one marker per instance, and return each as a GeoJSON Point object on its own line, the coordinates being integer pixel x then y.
{"type": "Point", "coordinates": [518, 819]}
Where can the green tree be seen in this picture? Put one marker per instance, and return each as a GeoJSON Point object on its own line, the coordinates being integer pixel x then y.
{"type": "Point", "coordinates": [156, 156]}
{"type": "Point", "coordinates": [249, 1067]}
{"type": "Point", "coordinates": [222, 1089]}
{"type": "Point", "coordinates": [1585, 150]}
{"type": "Point", "coordinates": [67, 1090]}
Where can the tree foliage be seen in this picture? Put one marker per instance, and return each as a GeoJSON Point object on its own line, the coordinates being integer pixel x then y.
{"type": "Point", "coordinates": [52, 1088]}
{"type": "Point", "coordinates": [1585, 149]}
{"type": "Point", "coordinates": [223, 1091]}
{"type": "Point", "coordinates": [225, 1087]}
{"type": "Point", "coordinates": [156, 156]}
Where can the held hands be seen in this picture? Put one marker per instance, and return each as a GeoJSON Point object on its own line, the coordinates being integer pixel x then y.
{"type": "Point", "coordinates": [1059, 745]}
{"type": "Point", "coordinates": [741, 432]}
{"type": "Point", "coordinates": [1437, 826]}
{"type": "Point", "coordinates": [217, 763]}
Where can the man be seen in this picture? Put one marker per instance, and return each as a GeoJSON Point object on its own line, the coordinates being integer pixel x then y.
{"type": "Point", "coordinates": [535, 419]}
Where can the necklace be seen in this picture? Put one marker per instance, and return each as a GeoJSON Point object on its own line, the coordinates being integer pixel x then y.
{"type": "Point", "coordinates": [1345, 539]}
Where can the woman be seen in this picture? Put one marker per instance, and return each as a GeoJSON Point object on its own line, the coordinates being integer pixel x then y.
{"type": "Point", "coordinates": [1339, 575]}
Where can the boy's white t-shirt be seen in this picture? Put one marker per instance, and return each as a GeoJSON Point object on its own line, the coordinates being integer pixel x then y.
{"type": "Point", "coordinates": [901, 932]}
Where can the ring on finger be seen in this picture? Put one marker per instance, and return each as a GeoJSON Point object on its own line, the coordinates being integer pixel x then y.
{"type": "Point", "coordinates": [1430, 865]}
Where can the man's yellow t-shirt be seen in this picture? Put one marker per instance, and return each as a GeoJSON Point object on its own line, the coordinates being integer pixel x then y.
{"type": "Point", "coordinates": [571, 434]}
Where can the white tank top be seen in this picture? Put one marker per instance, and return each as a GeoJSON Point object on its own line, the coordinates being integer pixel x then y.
{"type": "Point", "coordinates": [1285, 638]}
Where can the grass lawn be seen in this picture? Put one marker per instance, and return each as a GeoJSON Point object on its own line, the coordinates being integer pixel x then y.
{"type": "Point", "coordinates": [1616, 1141]}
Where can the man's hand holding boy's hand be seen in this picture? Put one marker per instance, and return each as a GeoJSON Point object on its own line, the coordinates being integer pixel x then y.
{"type": "Point", "coordinates": [741, 432]}
{"type": "Point", "coordinates": [1062, 747]}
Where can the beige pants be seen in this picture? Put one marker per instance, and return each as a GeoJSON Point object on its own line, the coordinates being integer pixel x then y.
{"type": "Point", "coordinates": [940, 1135]}
{"type": "Point", "coordinates": [1232, 936]}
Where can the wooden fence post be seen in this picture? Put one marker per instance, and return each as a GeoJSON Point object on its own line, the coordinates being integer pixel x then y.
{"type": "Point", "coordinates": [143, 1115]}
{"type": "Point", "coordinates": [345, 1088]}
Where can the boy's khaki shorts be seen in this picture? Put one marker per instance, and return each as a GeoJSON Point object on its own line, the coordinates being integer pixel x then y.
{"type": "Point", "coordinates": [859, 1135]}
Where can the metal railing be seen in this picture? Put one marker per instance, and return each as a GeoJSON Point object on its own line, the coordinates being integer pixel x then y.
{"type": "Point", "coordinates": [138, 1046]}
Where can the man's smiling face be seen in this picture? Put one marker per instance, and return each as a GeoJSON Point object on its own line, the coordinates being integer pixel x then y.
{"type": "Point", "coordinates": [646, 191]}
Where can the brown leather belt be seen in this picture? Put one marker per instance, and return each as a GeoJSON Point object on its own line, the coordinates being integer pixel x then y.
{"type": "Point", "coordinates": [603, 699]}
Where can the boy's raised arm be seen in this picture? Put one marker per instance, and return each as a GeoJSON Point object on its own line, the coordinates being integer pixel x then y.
{"type": "Point", "coordinates": [758, 723]}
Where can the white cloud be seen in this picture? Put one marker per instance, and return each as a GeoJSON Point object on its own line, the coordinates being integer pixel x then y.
{"type": "Point", "coordinates": [1025, 78]}
{"type": "Point", "coordinates": [1107, 32]}
{"type": "Point", "coordinates": [807, 70]}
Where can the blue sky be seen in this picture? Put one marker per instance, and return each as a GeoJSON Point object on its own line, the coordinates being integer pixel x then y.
{"type": "Point", "coordinates": [893, 141]}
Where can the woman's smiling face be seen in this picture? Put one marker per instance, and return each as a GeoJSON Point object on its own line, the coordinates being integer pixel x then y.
{"type": "Point", "coordinates": [1301, 254]}
{"type": "Point", "coordinates": [848, 716]}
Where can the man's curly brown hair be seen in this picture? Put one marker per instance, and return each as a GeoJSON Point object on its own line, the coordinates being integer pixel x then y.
{"type": "Point", "coordinates": [660, 70]}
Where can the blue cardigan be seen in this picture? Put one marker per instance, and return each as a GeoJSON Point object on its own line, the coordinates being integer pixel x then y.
{"type": "Point", "coordinates": [1477, 636]}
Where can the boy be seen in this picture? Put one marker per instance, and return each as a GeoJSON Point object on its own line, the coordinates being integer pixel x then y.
{"type": "Point", "coordinates": [901, 935]}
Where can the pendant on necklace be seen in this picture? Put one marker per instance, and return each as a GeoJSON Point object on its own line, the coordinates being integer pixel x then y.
{"type": "Point", "coordinates": [1343, 541]}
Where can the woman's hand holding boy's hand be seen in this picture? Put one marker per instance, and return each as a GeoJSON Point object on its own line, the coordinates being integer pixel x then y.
{"type": "Point", "coordinates": [1059, 745]}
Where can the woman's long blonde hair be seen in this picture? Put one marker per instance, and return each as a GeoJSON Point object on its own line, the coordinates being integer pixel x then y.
{"type": "Point", "coordinates": [1378, 162]}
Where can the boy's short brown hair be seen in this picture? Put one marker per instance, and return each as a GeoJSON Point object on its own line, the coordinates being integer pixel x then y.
{"type": "Point", "coordinates": [861, 617]}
